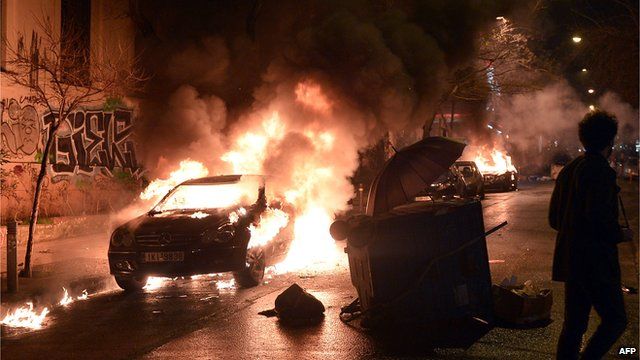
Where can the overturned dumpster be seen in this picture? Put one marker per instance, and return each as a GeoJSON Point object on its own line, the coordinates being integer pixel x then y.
{"type": "Point", "coordinates": [417, 262]}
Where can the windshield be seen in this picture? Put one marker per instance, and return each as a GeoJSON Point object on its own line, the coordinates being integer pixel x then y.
{"type": "Point", "coordinates": [210, 196]}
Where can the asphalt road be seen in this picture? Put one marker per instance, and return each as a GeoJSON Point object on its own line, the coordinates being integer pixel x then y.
{"type": "Point", "coordinates": [192, 318]}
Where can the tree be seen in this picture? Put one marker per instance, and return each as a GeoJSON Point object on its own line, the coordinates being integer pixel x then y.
{"type": "Point", "coordinates": [504, 65]}
{"type": "Point", "coordinates": [63, 75]}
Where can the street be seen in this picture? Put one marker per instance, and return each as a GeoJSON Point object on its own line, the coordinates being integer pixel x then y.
{"type": "Point", "coordinates": [199, 318]}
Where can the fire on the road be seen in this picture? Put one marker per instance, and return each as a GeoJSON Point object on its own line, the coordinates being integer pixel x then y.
{"type": "Point", "coordinates": [27, 317]}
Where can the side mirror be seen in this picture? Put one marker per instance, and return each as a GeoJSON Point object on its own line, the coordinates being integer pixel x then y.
{"type": "Point", "coordinates": [339, 230]}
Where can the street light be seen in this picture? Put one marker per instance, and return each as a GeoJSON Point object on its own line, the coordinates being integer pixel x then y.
{"type": "Point", "coordinates": [592, 108]}
{"type": "Point", "coordinates": [584, 70]}
{"type": "Point", "coordinates": [576, 39]}
{"type": "Point", "coordinates": [591, 91]}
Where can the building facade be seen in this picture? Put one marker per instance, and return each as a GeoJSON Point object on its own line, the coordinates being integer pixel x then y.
{"type": "Point", "coordinates": [92, 158]}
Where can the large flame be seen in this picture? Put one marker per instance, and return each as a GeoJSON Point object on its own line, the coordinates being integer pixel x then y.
{"type": "Point", "coordinates": [493, 162]}
{"type": "Point", "coordinates": [306, 163]}
{"type": "Point", "coordinates": [188, 170]}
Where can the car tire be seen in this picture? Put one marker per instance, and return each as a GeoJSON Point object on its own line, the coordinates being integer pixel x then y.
{"type": "Point", "coordinates": [131, 284]}
{"type": "Point", "coordinates": [253, 273]}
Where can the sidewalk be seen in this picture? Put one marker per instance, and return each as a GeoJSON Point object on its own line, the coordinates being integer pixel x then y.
{"type": "Point", "coordinates": [75, 263]}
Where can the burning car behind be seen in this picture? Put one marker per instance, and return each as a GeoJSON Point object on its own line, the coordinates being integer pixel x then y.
{"type": "Point", "coordinates": [205, 225]}
{"type": "Point", "coordinates": [506, 181]}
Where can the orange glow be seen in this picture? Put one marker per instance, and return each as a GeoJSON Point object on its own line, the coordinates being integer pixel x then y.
{"type": "Point", "coordinates": [310, 95]}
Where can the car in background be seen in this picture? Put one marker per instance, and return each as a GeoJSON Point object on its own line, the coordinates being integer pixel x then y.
{"type": "Point", "coordinates": [473, 178]}
{"type": "Point", "coordinates": [506, 181]}
{"type": "Point", "coordinates": [201, 226]}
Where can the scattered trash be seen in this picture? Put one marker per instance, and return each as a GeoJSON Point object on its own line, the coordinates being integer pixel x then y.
{"type": "Point", "coordinates": [296, 307]}
{"type": "Point", "coordinates": [496, 261]}
{"type": "Point", "coordinates": [46, 251]}
{"type": "Point", "coordinates": [629, 290]}
{"type": "Point", "coordinates": [521, 304]}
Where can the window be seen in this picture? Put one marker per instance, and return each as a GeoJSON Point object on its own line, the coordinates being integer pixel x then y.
{"type": "Point", "coordinates": [3, 34]}
{"type": "Point", "coordinates": [75, 41]}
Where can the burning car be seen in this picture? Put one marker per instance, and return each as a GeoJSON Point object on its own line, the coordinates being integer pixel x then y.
{"type": "Point", "coordinates": [498, 171]}
{"type": "Point", "coordinates": [506, 181]}
{"type": "Point", "coordinates": [204, 225]}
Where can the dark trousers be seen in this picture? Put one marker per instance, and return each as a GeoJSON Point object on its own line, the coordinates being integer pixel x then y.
{"type": "Point", "coordinates": [606, 298]}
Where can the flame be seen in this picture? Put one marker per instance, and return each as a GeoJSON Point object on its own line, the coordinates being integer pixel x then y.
{"type": "Point", "coordinates": [311, 95]}
{"type": "Point", "coordinates": [234, 216]}
{"type": "Point", "coordinates": [271, 222]}
{"type": "Point", "coordinates": [84, 295]}
{"type": "Point", "coordinates": [66, 299]}
{"type": "Point", "coordinates": [312, 247]}
{"type": "Point", "coordinates": [226, 284]}
{"type": "Point", "coordinates": [494, 162]}
{"type": "Point", "coordinates": [188, 170]}
{"type": "Point", "coordinates": [314, 159]}
{"type": "Point", "coordinates": [25, 317]}
{"type": "Point", "coordinates": [154, 282]}
{"type": "Point", "coordinates": [199, 215]}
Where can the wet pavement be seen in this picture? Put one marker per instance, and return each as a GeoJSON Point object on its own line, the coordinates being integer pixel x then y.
{"type": "Point", "coordinates": [192, 318]}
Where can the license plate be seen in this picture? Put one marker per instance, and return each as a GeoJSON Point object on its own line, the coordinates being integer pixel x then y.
{"type": "Point", "coordinates": [164, 256]}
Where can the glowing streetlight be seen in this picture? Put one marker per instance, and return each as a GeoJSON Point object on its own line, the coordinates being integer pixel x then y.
{"type": "Point", "coordinates": [591, 91]}
{"type": "Point", "coordinates": [576, 39]}
{"type": "Point", "coordinates": [584, 70]}
{"type": "Point", "coordinates": [501, 18]}
{"type": "Point", "coordinates": [592, 108]}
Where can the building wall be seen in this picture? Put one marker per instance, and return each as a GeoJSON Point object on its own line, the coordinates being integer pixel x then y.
{"type": "Point", "coordinates": [93, 158]}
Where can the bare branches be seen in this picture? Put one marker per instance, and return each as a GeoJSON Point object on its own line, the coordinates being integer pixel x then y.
{"type": "Point", "coordinates": [62, 74]}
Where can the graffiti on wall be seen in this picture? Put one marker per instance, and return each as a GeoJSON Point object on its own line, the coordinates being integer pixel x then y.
{"type": "Point", "coordinates": [20, 128]}
{"type": "Point", "coordinates": [88, 142]}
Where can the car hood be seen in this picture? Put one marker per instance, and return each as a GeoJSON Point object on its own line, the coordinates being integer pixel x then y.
{"type": "Point", "coordinates": [177, 222]}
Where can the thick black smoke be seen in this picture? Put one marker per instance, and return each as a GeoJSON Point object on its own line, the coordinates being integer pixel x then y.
{"type": "Point", "coordinates": [214, 61]}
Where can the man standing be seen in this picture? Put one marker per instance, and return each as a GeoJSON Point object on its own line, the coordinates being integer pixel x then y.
{"type": "Point", "coordinates": [584, 211]}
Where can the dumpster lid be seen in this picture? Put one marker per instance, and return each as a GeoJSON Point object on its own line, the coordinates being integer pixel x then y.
{"type": "Point", "coordinates": [410, 171]}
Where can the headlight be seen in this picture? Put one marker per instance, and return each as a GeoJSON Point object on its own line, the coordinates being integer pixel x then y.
{"type": "Point", "coordinates": [122, 237]}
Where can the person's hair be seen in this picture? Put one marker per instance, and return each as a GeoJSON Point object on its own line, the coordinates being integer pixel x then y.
{"type": "Point", "coordinates": [597, 130]}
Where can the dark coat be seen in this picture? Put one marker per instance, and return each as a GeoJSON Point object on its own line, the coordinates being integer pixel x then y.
{"type": "Point", "coordinates": [584, 211]}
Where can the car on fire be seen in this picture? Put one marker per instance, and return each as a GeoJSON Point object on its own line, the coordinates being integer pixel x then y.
{"type": "Point", "coordinates": [474, 180]}
{"type": "Point", "coordinates": [506, 181]}
{"type": "Point", "coordinates": [201, 226]}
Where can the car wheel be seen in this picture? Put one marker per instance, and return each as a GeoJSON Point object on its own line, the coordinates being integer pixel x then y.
{"type": "Point", "coordinates": [253, 273]}
{"type": "Point", "coordinates": [131, 284]}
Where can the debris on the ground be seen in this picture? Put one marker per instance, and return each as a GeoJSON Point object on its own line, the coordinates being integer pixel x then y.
{"type": "Point", "coordinates": [46, 251]}
{"type": "Point", "coordinates": [496, 261]}
{"type": "Point", "coordinates": [521, 304]}
{"type": "Point", "coordinates": [295, 306]}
